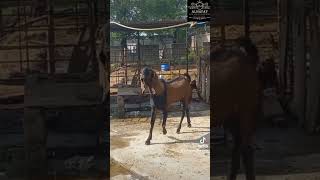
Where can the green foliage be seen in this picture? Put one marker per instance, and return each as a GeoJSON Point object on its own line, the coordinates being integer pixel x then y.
{"type": "Point", "coordinates": [147, 10]}
{"type": "Point", "coordinates": [125, 11]}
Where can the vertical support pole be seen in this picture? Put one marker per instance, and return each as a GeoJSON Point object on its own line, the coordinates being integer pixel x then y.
{"type": "Point", "coordinates": [283, 32]}
{"type": "Point", "coordinates": [187, 49]}
{"type": "Point", "coordinates": [26, 38]}
{"type": "Point", "coordinates": [92, 25]}
{"type": "Point", "coordinates": [77, 15]}
{"type": "Point", "coordinates": [20, 38]}
{"type": "Point", "coordinates": [299, 60]}
{"type": "Point", "coordinates": [138, 48]}
{"type": "Point", "coordinates": [246, 20]}
{"type": "Point", "coordinates": [1, 25]}
{"type": "Point", "coordinates": [51, 37]}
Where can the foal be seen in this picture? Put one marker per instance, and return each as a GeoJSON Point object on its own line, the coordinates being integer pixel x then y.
{"type": "Point", "coordinates": [163, 94]}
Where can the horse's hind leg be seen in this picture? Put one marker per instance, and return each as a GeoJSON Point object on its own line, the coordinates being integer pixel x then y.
{"type": "Point", "coordinates": [164, 121]}
{"type": "Point", "coordinates": [182, 116]}
{"type": "Point", "coordinates": [235, 162]}
{"type": "Point", "coordinates": [247, 152]}
{"type": "Point", "coordinates": [153, 118]}
{"type": "Point", "coordinates": [188, 115]}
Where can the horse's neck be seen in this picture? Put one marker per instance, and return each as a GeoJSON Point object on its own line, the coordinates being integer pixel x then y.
{"type": "Point", "coordinates": [158, 86]}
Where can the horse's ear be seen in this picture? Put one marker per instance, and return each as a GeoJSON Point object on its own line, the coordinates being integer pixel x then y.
{"type": "Point", "coordinates": [153, 74]}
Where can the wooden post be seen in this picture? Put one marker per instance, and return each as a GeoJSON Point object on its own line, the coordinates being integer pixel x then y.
{"type": "Point", "coordinates": [283, 30]}
{"type": "Point", "coordinates": [208, 82]}
{"type": "Point", "coordinates": [187, 49]}
{"type": "Point", "coordinates": [298, 27]}
{"type": "Point", "coordinates": [246, 21]}
{"type": "Point", "coordinates": [92, 24]}
{"type": "Point", "coordinates": [139, 51]}
{"type": "Point", "coordinates": [1, 25]}
{"type": "Point", "coordinates": [26, 38]}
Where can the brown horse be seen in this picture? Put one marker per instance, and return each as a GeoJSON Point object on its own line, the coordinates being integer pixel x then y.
{"type": "Point", "coordinates": [236, 100]}
{"type": "Point", "coordinates": [163, 94]}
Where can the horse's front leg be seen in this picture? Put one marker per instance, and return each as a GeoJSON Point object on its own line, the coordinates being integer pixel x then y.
{"type": "Point", "coordinates": [153, 118]}
{"type": "Point", "coordinates": [164, 121]}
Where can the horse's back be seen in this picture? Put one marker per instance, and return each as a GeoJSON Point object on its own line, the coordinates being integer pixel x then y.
{"type": "Point", "coordinates": [178, 89]}
{"type": "Point", "coordinates": [235, 89]}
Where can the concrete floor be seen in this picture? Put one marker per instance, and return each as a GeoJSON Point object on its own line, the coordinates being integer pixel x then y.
{"type": "Point", "coordinates": [170, 156]}
{"type": "Point", "coordinates": [281, 153]}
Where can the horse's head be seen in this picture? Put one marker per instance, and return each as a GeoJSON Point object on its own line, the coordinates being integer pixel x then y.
{"type": "Point", "coordinates": [248, 48]}
{"type": "Point", "coordinates": [147, 77]}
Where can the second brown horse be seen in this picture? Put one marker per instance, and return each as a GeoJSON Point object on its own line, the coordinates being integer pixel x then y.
{"type": "Point", "coordinates": [235, 93]}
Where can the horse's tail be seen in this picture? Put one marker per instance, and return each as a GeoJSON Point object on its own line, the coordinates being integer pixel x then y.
{"type": "Point", "coordinates": [193, 86]}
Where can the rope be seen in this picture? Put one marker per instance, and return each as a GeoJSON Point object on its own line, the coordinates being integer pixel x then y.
{"type": "Point", "coordinates": [155, 29]}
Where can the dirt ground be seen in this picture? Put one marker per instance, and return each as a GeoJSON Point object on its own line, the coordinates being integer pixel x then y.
{"type": "Point", "coordinates": [170, 156]}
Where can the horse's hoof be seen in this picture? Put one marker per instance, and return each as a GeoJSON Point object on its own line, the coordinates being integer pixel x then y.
{"type": "Point", "coordinates": [147, 142]}
{"type": "Point", "coordinates": [164, 131]}
{"type": "Point", "coordinates": [178, 131]}
{"type": "Point", "coordinates": [189, 125]}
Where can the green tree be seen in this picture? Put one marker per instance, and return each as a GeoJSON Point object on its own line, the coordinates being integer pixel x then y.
{"type": "Point", "coordinates": [124, 11]}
